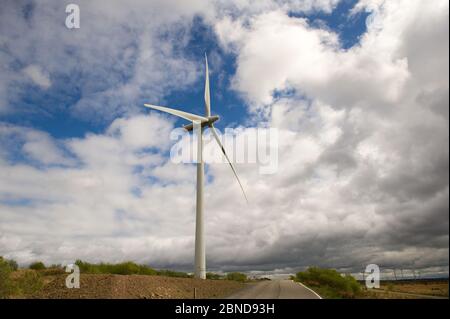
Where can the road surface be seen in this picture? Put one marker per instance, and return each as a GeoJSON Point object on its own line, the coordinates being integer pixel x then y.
{"type": "Point", "coordinates": [275, 289]}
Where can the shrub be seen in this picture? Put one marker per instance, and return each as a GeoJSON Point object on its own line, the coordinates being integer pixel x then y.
{"type": "Point", "coordinates": [13, 264]}
{"type": "Point", "coordinates": [86, 268]}
{"type": "Point", "coordinates": [211, 275]}
{"type": "Point", "coordinates": [37, 265]}
{"type": "Point", "coordinates": [236, 276]}
{"type": "Point", "coordinates": [146, 270]}
{"type": "Point", "coordinates": [331, 282]}
{"type": "Point", "coordinates": [171, 273]}
{"type": "Point", "coordinates": [6, 285]}
{"type": "Point", "coordinates": [21, 283]}
{"type": "Point", "coordinates": [124, 268]}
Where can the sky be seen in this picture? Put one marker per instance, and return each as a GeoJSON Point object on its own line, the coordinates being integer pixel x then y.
{"type": "Point", "coordinates": [358, 91]}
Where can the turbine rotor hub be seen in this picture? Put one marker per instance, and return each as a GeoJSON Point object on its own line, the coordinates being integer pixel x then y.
{"type": "Point", "coordinates": [213, 118]}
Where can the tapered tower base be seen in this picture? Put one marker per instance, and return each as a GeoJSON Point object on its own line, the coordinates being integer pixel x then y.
{"type": "Point", "coordinates": [200, 260]}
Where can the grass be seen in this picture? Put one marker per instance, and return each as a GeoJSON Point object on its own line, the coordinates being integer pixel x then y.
{"type": "Point", "coordinates": [236, 276]}
{"type": "Point", "coordinates": [214, 276]}
{"type": "Point", "coordinates": [329, 283]}
{"type": "Point", "coordinates": [28, 282]}
{"type": "Point", "coordinates": [399, 289]}
{"type": "Point", "coordinates": [6, 284]}
{"type": "Point", "coordinates": [127, 268]}
{"type": "Point", "coordinates": [23, 283]}
{"type": "Point", "coordinates": [171, 273]}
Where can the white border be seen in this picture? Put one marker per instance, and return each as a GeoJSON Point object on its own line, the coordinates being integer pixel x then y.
{"type": "Point", "coordinates": [309, 289]}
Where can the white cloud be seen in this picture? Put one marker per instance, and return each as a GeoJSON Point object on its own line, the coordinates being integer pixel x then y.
{"type": "Point", "coordinates": [38, 76]}
{"type": "Point", "coordinates": [142, 131]}
{"type": "Point", "coordinates": [310, 60]}
{"type": "Point", "coordinates": [41, 147]}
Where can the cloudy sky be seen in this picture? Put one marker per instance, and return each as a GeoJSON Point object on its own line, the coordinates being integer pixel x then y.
{"type": "Point", "coordinates": [358, 90]}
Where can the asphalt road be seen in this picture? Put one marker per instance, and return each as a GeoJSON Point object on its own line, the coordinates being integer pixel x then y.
{"type": "Point", "coordinates": [275, 289]}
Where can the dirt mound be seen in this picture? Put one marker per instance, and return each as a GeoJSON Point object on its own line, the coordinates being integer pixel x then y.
{"type": "Point", "coordinates": [136, 286]}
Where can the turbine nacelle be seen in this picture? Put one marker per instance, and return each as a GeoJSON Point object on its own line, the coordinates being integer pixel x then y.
{"type": "Point", "coordinates": [209, 122]}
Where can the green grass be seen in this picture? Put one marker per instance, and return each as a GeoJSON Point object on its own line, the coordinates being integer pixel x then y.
{"type": "Point", "coordinates": [214, 276]}
{"type": "Point", "coordinates": [329, 283]}
{"type": "Point", "coordinates": [237, 276]}
{"type": "Point", "coordinates": [171, 273]}
{"type": "Point", "coordinates": [126, 268]}
{"type": "Point", "coordinates": [26, 282]}
{"type": "Point", "coordinates": [6, 285]}
{"type": "Point", "coordinates": [29, 282]}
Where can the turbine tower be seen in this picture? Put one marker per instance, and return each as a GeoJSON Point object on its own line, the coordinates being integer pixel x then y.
{"type": "Point", "coordinates": [198, 124]}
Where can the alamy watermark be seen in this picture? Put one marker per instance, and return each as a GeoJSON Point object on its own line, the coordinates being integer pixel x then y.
{"type": "Point", "coordinates": [73, 280]}
{"type": "Point", "coordinates": [73, 16]}
{"type": "Point", "coordinates": [373, 277]}
{"type": "Point", "coordinates": [243, 146]}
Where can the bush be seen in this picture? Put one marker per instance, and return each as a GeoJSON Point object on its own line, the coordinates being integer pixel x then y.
{"type": "Point", "coordinates": [6, 285]}
{"type": "Point", "coordinates": [124, 268]}
{"type": "Point", "coordinates": [86, 268]}
{"type": "Point", "coordinates": [25, 282]}
{"type": "Point", "coordinates": [37, 265]}
{"type": "Point", "coordinates": [171, 273]}
{"type": "Point", "coordinates": [237, 276]}
{"type": "Point", "coordinates": [211, 275]}
{"type": "Point", "coordinates": [146, 270]}
{"type": "Point", "coordinates": [332, 283]}
{"type": "Point", "coordinates": [13, 264]}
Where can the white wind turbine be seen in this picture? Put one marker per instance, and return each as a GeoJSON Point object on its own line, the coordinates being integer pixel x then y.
{"type": "Point", "coordinates": [198, 123]}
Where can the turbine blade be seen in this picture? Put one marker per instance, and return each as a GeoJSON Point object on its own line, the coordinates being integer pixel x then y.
{"type": "Point", "coordinates": [207, 94]}
{"type": "Point", "coordinates": [213, 130]}
{"type": "Point", "coordinates": [184, 115]}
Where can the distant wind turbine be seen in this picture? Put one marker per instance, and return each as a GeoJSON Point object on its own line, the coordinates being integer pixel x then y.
{"type": "Point", "coordinates": [198, 123]}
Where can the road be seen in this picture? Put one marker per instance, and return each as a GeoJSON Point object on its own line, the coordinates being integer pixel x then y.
{"type": "Point", "coordinates": [275, 289]}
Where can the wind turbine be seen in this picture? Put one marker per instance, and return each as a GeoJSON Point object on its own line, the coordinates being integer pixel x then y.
{"type": "Point", "coordinates": [198, 124]}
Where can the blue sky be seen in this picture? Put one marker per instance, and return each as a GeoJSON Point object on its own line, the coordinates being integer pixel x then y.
{"type": "Point", "coordinates": [48, 110]}
{"type": "Point", "coordinates": [358, 104]}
